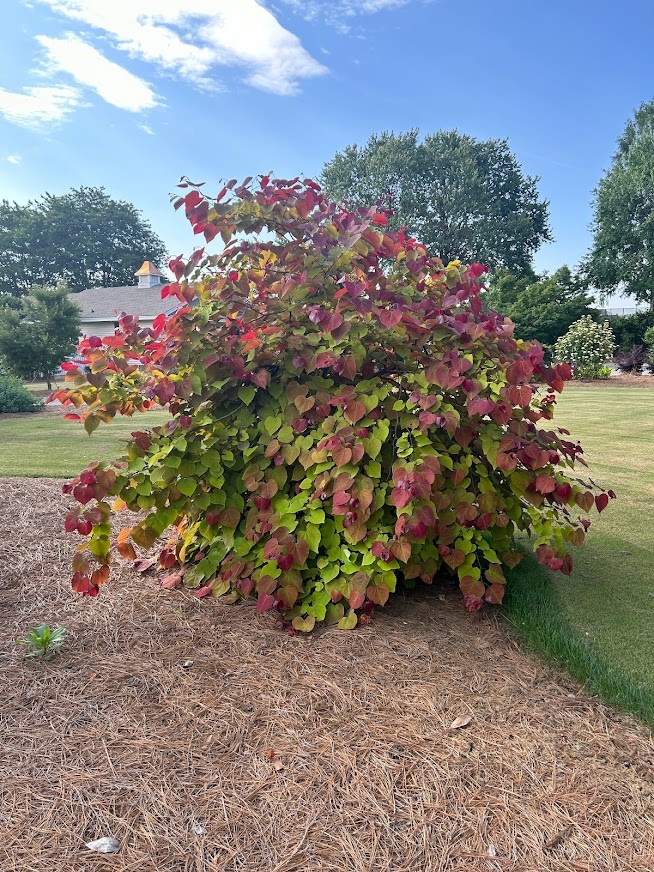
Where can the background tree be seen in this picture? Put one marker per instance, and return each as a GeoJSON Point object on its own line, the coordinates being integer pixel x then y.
{"type": "Point", "coordinates": [38, 336]}
{"type": "Point", "coordinates": [622, 254]}
{"type": "Point", "coordinates": [84, 238]}
{"type": "Point", "coordinates": [462, 197]}
{"type": "Point", "coordinates": [541, 307]}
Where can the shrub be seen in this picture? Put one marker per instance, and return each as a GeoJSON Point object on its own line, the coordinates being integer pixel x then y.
{"type": "Point", "coordinates": [592, 373]}
{"type": "Point", "coordinates": [586, 346]}
{"type": "Point", "coordinates": [344, 417]}
{"type": "Point", "coordinates": [16, 398]}
{"type": "Point", "coordinates": [629, 330]}
{"type": "Point", "coordinates": [633, 360]}
{"type": "Point", "coordinates": [648, 338]}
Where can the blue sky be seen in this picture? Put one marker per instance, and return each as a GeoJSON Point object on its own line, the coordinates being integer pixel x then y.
{"type": "Point", "coordinates": [132, 94]}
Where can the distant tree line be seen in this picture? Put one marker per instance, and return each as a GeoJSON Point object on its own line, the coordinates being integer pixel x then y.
{"type": "Point", "coordinates": [84, 238]}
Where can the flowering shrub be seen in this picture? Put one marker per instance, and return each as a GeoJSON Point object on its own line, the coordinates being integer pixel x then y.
{"type": "Point", "coordinates": [344, 418]}
{"type": "Point", "coordinates": [586, 346]}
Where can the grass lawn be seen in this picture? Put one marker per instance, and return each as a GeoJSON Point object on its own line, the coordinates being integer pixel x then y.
{"type": "Point", "coordinates": [47, 445]}
{"type": "Point", "coordinates": [600, 620]}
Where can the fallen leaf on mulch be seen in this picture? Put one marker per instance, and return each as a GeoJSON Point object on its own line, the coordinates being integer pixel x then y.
{"type": "Point", "coordinates": [459, 722]}
{"type": "Point", "coordinates": [105, 845]}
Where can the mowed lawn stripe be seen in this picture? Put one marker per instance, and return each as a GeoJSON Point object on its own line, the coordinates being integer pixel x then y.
{"type": "Point", "coordinates": [45, 445]}
{"type": "Point", "coordinates": [609, 598]}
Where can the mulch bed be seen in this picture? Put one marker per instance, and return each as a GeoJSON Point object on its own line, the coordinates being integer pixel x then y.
{"type": "Point", "coordinates": [624, 380]}
{"type": "Point", "coordinates": [333, 752]}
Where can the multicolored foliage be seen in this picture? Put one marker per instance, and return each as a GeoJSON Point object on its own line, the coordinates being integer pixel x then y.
{"type": "Point", "coordinates": [344, 417]}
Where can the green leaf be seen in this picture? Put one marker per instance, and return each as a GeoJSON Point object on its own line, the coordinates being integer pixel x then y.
{"type": "Point", "coordinates": [304, 625]}
{"type": "Point", "coordinates": [91, 423]}
{"type": "Point", "coordinates": [330, 572]}
{"type": "Point", "coordinates": [247, 393]}
{"type": "Point", "coordinates": [311, 535]}
{"type": "Point", "coordinates": [272, 424]}
{"type": "Point", "coordinates": [374, 469]}
{"type": "Point", "coordinates": [187, 486]}
{"type": "Point", "coordinates": [349, 621]}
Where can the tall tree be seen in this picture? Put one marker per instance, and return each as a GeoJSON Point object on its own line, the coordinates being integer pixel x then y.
{"type": "Point", "coordinates": [462, 197]}
{"type": "Point", "coordinates": [40, 334]}
{"type": "Point", "coordinates": [622, 254]}
{"type": "Point", "coordinates": [84, 238]}
{"type": "Point", "coordinates": [541, 307]}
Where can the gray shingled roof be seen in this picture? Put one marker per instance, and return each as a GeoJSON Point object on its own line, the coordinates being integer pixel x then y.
{"type": "Point", "coordinates": [105, 302]}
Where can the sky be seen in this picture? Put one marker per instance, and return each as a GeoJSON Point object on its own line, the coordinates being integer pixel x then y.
{"type": "Point", "coordinates": [133, 94]}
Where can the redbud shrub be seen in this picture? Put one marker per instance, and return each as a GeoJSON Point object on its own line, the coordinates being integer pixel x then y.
{"type": "Point", "coordinates": [345, 417]}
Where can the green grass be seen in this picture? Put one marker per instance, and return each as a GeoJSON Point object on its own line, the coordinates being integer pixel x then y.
{"type": "Point", "coordinates": [45, 445]}
{"type": "Point", "coordinates": [599, 622]}
{"type": "Point", "coordinates": [41, 387]}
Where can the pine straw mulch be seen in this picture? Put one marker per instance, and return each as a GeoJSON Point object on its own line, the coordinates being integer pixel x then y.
{"type": "Point", "coordinates": [622, 380]}
{"type": "Point", "coordinates": [333, 752]}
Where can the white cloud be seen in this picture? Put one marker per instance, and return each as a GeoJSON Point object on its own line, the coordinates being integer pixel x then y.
{"type": "Point", "coordinates": [39, 106]}
{"type": "Point", "coordinates": [191, 38]}
{"type": "Point", "coordinates": [14, 158]}
{"type": "Point", "coordinates": [146, 129]}
{"type": "Point", "coordinates": [90, 68]}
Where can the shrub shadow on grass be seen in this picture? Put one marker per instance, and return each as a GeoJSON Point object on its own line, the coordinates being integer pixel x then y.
{"type": "Point", "coordinates": [532, 609]}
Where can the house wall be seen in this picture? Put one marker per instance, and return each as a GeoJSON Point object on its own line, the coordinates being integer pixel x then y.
{"type": "Point", "coordinates": [102, 328]}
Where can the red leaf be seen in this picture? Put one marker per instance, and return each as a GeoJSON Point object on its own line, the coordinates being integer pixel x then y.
{"type": "Point", "coordinates": [341, 454]}
{"type": "Point", "coordinates": [355, 412]}
{"type": "Point", "coordinates": [601, 501]}
{"type": "Point", "coordinates": [401, 549]}
{"type": "Point", "coordinates": [159, 323]}
{"type": "Point", "coordinates": [265, 602]}
{"type": "Point", "coordinates": [202, 591]}
{"type": "Point", "coordinates": [545, 484]}
{"type": "Point", "coordinates": [390, 317]}
{"type": "Point", "coordinates": [260, 378]}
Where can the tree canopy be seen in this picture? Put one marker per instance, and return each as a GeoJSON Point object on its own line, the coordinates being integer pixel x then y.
{"type": "Point", "coordinates": [622, 254]}
{"type": "Point", "coordinates": [40, 334]}
{"type": "Point", "coordinates": [84, 237]}
{"type": "Point", "coordinates": [464, 198]}
{"type": "Point", "coordinates": [541, 307]}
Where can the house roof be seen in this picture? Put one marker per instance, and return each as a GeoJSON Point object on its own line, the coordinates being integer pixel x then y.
{"type": "Point", "coordinates": [148, 269]}
{"type": "Point", "coordinates": [105, 303]}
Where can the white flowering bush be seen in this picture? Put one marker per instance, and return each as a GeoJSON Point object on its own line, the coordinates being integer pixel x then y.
{"type": "Point", "coordinates": [586, 347]}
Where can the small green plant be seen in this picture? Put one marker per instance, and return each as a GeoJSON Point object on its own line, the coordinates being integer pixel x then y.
{"type": "Point", "coordinates": [43, 641]}
{"type": "Point", "coordinates": [588, 373]}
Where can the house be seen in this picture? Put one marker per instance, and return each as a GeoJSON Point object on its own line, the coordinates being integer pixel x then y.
{"type": "Point", "coordinates": [100, 307]}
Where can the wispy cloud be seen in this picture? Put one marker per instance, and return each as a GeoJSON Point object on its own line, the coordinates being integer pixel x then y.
{"type": "Point", "coordinates": [91, 69]}
{"type": "Point", "coordinates": [336, 10]}
{"type": "Point", "coordinates": [193, 38]}
{"type": "Point", "coordinates": [146, 129]}
{"type": "Point", "coordinates": [14, 158]}
{"type": "Point", "coordinates": [39, 107]}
